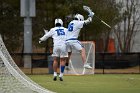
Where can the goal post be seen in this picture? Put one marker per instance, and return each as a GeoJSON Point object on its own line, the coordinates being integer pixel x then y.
{"type": "Point", "coordinates": [76, 64]}
{"type": "Point", "coordinates": [12, 79]}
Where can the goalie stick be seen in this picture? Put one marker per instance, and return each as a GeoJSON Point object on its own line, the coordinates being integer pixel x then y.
{"type": "Point", "coordinates": [86, 8]}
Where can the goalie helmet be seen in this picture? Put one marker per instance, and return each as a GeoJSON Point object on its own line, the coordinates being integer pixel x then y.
{"type": "Point", "coordinates": [79, 17]}
{"type": "Point", "coordinates": [58, 22]}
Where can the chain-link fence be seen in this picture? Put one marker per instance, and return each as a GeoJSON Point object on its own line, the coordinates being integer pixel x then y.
{"type": "Point", "coordinates": [105, 63]}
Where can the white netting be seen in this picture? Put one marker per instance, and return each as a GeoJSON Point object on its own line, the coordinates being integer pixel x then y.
{"type": "Point", "coordinates": [76, 64]}
{"type": "Point", "coordinates": [12, 79]}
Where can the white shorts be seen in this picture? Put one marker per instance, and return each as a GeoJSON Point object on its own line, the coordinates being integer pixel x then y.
{"type": "Point", "coordinates": [74, 44]}
{"type": "Point", "coordinates": [60, 51]}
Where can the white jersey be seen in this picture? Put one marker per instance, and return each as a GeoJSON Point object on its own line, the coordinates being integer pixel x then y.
{"type": "Point", "coordinates": [74, 28]}
{"type": "Point", "coordinates": [58, 34]}
{"type": "Point", "coordinates": [59, 41]}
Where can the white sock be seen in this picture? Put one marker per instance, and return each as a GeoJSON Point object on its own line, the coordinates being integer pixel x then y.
{"type": "Point", "coordinates": [55, 74]}
{"type": "Point", "coordinates": [61, 75]}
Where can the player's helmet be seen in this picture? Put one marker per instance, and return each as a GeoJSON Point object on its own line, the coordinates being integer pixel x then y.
{"type": "Point", "coordinates": [58, 22]}
{"type": "Point", "coordinates": [79, 17]}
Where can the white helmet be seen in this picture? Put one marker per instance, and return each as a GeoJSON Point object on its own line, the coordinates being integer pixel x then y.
{"type": "Point", "coordinates": [79, 17]}
{"type": "Point", "coordinates": [58, 21]}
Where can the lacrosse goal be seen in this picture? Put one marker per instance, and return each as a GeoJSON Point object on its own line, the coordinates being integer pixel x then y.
{"type": "Point", "coordinates": [12, 79]}
{"type": "Point", "coordinates": [76, 64]}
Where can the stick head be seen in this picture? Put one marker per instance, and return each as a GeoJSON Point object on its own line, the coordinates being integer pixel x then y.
{"type": "Point", "coordinates": [86, 8]}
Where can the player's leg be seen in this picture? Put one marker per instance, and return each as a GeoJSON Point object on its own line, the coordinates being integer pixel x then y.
{"type": "Point", "coordinates": [55, 65]}
{"type": "Point", "coordinates": [55, 62]}
{"type": "Point", "coordinates": [83, 54]}
{"type": "Point", "coordinates": [78, 46]}
{"type": "Point", "coordinates": [62, 68]}
{"type": "Point", "coordinates": [63, 57]}
{"type": "Point", "coordinates": [67, 60]}
{"type": "Point", "coordinates": [69, 50]}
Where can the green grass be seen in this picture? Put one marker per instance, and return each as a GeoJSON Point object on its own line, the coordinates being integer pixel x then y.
{"type": "Point", "coordinates": [98, 83]}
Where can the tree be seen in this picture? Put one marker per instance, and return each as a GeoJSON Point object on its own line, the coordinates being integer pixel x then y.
{"type": "Point", "coordinates": [127, 28]}
{"type": "Point", "coordinates": [10, 23]}
{"type": "Point", "coordinates": [48, 10]}
{"type": "Point", "coordinates": [107, 10]}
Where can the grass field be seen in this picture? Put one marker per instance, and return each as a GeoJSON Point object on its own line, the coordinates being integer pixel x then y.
{"type": "Point", "coordinates": [98, 83]}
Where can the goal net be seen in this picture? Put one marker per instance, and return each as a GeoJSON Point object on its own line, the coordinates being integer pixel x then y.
{"type": "Point", "coordinates": [12, 79]}
{"type": "Point", "coordinates": [76, 64]}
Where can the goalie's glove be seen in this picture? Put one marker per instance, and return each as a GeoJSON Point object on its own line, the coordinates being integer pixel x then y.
{"type": "Point", "coordinates": [91, 14]}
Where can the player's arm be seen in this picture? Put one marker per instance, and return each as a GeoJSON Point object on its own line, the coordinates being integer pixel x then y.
{"type": "Point", "coordinates": [46, 36]}
{"type": "Point", "coordinates": [89, 19]}
{"type": "Point", "coordinates": [90, 16]}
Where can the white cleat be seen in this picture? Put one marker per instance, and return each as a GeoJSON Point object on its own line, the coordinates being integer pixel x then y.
{"type": "Point", "coordinates": [87, 66]}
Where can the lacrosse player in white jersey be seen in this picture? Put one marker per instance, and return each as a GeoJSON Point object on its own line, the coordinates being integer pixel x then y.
{"type": "Point", "coordinates": [74, 28]}
{"type": "Point", "coordinates": [58, 33]}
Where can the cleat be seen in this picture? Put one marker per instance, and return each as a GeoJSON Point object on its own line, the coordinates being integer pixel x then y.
{"type": "Point", "coordinates": [60, 78]}
{"type": "Point", "coordinates": [54, 78]}
{"type": "Point", "coordinates": [87, 66]}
